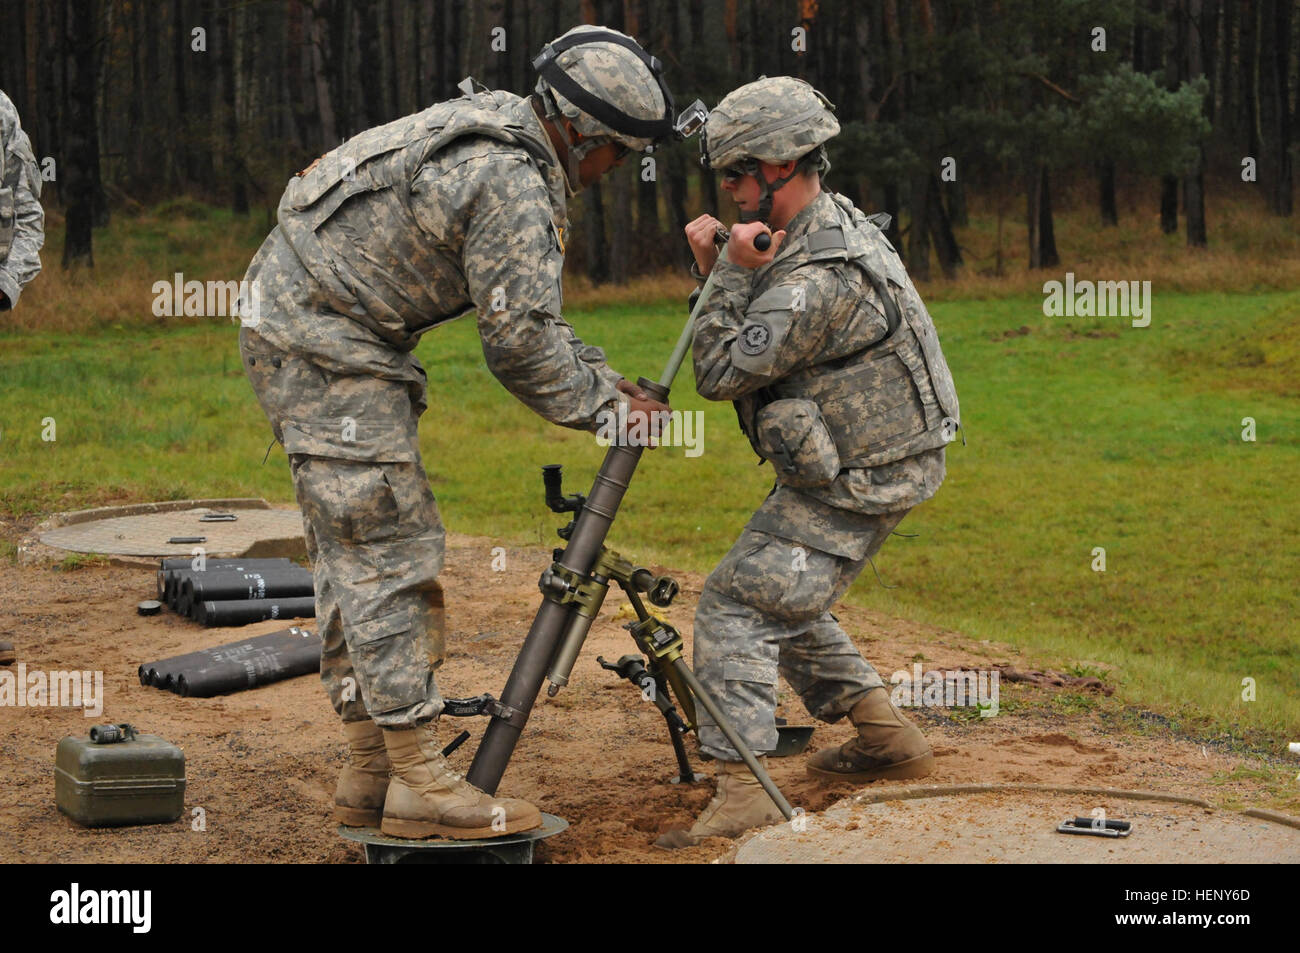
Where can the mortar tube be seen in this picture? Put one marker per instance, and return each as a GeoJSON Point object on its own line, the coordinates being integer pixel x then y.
{"type": "Point", "coordinates": [589, 534]}
{"type": "Point", "coordinates": [525, 681]}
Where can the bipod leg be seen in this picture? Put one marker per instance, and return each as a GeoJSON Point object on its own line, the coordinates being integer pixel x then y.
{"type": "Point", "coordinates": [747, 755]}
{"type": "Point", "coordinates": [684, 773]}
{"type": "Point", "coordinates": [663, 644]}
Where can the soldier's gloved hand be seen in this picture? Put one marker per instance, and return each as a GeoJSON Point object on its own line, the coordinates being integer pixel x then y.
{"type": "Point", "coordinates": [701, 235]}
{"type": "Point", "coordinates": [741, 250]}
{"type": "Point", "coordinates": [645, 415]}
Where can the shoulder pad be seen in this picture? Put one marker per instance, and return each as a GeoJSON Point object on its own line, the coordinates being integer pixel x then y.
{"type": "Point", "coordinates": [767, 322]}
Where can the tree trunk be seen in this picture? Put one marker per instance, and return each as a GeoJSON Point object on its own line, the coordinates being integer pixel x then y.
{"type": "Point", "coordinates": [621, 236]}
{"type": "Point", "coordinates": [1279, 68]}
{"type": "Point", "coordinates": [80, 169]}
{"type": "Point", "coordinates": [231, 54]}
{"type": "Point", "coordinates": [918, 234]}
{"type": "Point", "coordinates": [1106, 180]}
{"type": "Point", "coordinates": [1194, 201]}
{"type": "Point", "coordinates": [593, 227]}
{"type": "Point", "coordinates": [372, 64]}
{"type": "Point", "coordinates": [1042, 237]}
{"type": "Point", "coordinates": [49, 93]}
{"type": "Point", "coordinates": [893, 207]}
{"type": "Point", "coordinates": [675, 165]}
{"type": "Point", "coordinates": [329, 135]}
{"type": "Point", "coordinates": [99, 77]}
{"type": "Point", "coordinates": [955, 192]}
{"type": "Point", "coordinates": [649, 232]}
{"type": "Point", "coordinates": [1194, 179]}
{"type": "Point", "coordinates": [1250, 69]}
{"type": "Point", "coordinates": [180, 49]}
{"type": "Point", "coordinates": [945, 242]}
{"type": "Point", "coordinates": [1169, 204]}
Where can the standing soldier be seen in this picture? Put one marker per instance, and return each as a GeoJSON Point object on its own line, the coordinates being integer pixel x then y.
{"type": "Point", "coordinates": [22, 227]}
{"type": "Point", "coordinates": [835, 369]}
{"type": "Point", "coordinates": [459, 207]}
{"type": "Point", "coordinates": [22, 220]}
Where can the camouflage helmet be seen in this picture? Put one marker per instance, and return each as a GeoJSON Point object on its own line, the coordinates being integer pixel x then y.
{"type": "Point", "coordinates": [607, 86]}
{"type": "Point", "coordinates": [773, 120]}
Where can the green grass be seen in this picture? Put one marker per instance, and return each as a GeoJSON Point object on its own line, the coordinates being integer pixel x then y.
{"type": "Point", "coordinates": [1082, 433]}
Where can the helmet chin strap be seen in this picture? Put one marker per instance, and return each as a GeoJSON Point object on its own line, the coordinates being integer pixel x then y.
{"type": "Point", "coordinates": [576, 154]}
{"type": "Point", "coordinates": [573, 154]}
{"type": "Point", "coordinates": [572, 178]}
{"type": "Point", "coordinates": [766, 194]}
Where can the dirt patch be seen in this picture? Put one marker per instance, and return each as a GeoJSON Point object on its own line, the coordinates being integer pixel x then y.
{"type": "Point", "coordinates": [1020, 332]}
{"type": "Point", "coordinates": [262, 764]}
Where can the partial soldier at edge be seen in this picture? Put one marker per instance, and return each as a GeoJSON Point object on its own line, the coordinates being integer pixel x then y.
{"type": "Point", "coordinates": [22, 220]}
{"type": "Point", "coordinates": [22, 228]}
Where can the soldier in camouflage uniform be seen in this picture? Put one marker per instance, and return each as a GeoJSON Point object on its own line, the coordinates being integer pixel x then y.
{"type": "Point", "coordinates": [22, 220]}
{"type": "Point", "coordinates": [837, 376]}
{"type": "Point", "coordinates": [459, 207]}
{"type": "Point", "coordinates": [22, 227]}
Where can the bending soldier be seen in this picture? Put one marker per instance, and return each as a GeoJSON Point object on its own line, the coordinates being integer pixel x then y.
{"type": "Point", "coordinates": [22, 228]}
{"type": "Point", "coordinates": [837, 377]}
{"type": "Point", "coordinates": [399, 229]}
{"type": "Point", "coordinates": [22, 220]}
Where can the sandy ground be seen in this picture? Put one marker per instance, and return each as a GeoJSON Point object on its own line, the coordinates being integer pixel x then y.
{"type": "Point", "coordinates": [262, 764]}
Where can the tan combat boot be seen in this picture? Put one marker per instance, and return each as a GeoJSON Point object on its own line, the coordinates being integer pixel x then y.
{"type": "Point", "coordinates": [428, 799]}
{"type": "Point", "coordinates": [740, 804]}
{"type": "Point", "coordinates": [7, 654]}
{"type": "Point", "coordinates": [888, 746]}
{"type": "Point", "coordinates": [363, 782]}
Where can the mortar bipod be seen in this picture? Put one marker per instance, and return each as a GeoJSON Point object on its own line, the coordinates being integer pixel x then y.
{"type": "Point", "coordinates": [667, 671]}
{"type": "Point", "coordinates": [572, 572]}
{"type": "Point", "coordinates": [663, 644]}
{"type": "Point", "coordinates": [583, 598]}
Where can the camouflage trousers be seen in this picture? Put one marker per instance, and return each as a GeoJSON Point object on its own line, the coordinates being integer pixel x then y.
{"type": "Point", "coordinates": [766, 610]}
{"type": "Point", "coordinates": [373, 531]}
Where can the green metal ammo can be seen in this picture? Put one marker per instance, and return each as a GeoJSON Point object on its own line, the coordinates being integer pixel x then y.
{"type": "Point", "coordinates": [117, 777]}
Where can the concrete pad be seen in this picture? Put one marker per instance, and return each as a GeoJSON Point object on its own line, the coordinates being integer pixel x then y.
{"type": "Point", "coordinates": [990, 824]}
{"type": "Point", "coordinates": [140, 532]}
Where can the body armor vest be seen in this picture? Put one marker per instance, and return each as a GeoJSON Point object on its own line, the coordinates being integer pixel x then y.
{"type": "Point", "coordinates": [893, 399]}
{"type": "Point", "coordinates": [390, 157]}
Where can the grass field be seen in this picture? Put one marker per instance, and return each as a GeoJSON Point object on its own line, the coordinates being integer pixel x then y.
{"type": "Point", "coordinates": [1081, 433]}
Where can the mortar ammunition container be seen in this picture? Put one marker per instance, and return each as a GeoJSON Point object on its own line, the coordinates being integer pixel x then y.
{"type": "Point", "coordinates": [117, 777]}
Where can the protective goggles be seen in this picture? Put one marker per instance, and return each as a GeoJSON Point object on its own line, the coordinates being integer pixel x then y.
{"type": "Point", "coordinates": [732, 174]}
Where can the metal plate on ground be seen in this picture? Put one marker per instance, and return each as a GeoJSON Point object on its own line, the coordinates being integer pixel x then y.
{"type": "Point", "coordinates": [255, 532]}
{"type": "Point", "coordinates": [507, 849]}
{"type": "Point", "coordinates": [993, 824]}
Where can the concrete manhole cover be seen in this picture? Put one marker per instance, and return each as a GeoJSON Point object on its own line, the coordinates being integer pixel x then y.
{"type": "Point", "coordinates": [992, 824]}
{"type": "Point", "coordinates": [144, 530]}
